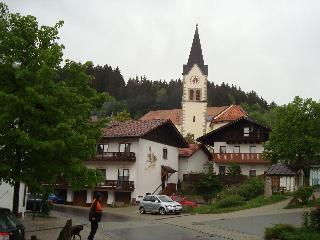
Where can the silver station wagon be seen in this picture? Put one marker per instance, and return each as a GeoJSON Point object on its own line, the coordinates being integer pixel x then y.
{"type": "Point", "coordinates": [159, 204]}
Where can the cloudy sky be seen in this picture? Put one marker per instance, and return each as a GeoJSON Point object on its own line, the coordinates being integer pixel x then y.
{"type": "Point", "coordinates": [270, 46]}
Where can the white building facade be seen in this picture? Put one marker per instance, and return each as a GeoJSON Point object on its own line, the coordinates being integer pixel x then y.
{"type": "Point", "coordinates": [135, 158]}
{"type": "Point", "coordinates": [6, 197]}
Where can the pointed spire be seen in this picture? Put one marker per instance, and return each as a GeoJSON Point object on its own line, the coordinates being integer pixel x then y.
{"type": "Point", "coordinates": [195, 56]}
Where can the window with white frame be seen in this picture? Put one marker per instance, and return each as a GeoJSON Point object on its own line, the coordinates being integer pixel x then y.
{"type": "Point", "coordinates": [236, 149]}
{"type": "Point", "coordinates": [246, 131]}
{"type": "Point", "coordinates": [223, 149]}
{"type": "Point", "coordinates": [252, 149]}
{"type": "Point", "coordinates": [222, 170]}
{"type": "Point", "coordinates": [124, 147]}
{"type": "Point", "coordinates": [102, 148]}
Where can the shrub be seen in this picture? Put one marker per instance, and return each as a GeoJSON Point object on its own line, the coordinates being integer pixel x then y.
{"type": "Point", "coordinates": [253, 187]}
{"type": "Point", "coordinates": [209, 184]}
{"type": "Point", "coordinates": [312, 219]}
{"type": "Point", "coordinates": [234, 170]}
{"type": "Point", "coordinates": [304, 193]}
{"type": "Point", "coordinates": [230, 201]}
{"type": "Point", "coordinates": [278, 231]}
{"type": "Point", "coordinates": [45, 208]}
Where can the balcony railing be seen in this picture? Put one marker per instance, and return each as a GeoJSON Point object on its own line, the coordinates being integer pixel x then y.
{"type": "Point", "coordinates": [117, 185]}
{"type": "Point", "coordinates": [115, 156]}
{"type": "Point", "coordinates": [227, 158]}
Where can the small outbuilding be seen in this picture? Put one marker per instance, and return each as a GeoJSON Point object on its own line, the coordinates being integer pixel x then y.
{"type": "Point", "coordinates": [284, 178]}
{"type": "Point", "coordinates": [314, 178]}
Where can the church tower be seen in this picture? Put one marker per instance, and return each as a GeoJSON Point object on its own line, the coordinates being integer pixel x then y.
{"type": "Point", "coordinates": [194, 97]}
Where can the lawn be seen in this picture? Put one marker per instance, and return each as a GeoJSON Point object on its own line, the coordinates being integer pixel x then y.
{"type": "Point", "coordinates": [253, 203]}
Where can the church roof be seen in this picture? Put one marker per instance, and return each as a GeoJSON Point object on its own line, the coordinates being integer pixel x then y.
{"type": "Point", "coordinates": [195, 56]}
{"type": "Point", "coordinates": [175, 115]}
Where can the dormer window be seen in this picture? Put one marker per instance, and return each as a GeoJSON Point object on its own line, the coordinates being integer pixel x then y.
{"type": "Point", "coordinates": [246, 131]}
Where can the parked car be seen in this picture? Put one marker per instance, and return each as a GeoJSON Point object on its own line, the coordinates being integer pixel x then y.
{"type": "Point", "coordinates": [184, 201]}
{"type": "Point", "coordinates": [53, 198]}
{"type": "Point", "coordinates": [159, 204]}
{"type": "Point", "coordinates": [10, 227]}
{"type": "Point", "coordinates": [33, 201]}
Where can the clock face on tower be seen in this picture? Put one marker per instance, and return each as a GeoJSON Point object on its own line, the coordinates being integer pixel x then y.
{"type": "Point", "coordinates": [194, 79]}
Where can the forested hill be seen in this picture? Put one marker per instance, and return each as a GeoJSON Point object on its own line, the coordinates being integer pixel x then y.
{"type": "Point", "coordinates": [139, 95]}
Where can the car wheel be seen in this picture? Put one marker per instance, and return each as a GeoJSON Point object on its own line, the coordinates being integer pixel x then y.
{"type": "Point", "coordinates": [142, 210]}
{"type": "Point", "coordinates": [162, 211]}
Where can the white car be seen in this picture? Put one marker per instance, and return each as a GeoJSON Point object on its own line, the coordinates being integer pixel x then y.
{"type": "Point", "coordinates": [159, 204]}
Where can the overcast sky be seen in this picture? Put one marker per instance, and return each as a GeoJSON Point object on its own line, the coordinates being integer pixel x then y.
{"type": "Point", "coordinates": [271, 46]}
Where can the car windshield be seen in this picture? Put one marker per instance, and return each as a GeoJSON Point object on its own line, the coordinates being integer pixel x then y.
{"type": "Point", "coordinates": [8, 221]}
{"type": "Point", "coordinates": [165, 199]}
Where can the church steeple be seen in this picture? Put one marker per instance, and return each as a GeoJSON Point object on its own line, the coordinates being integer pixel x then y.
{"type": "Point", "coordinates": [195, 56]}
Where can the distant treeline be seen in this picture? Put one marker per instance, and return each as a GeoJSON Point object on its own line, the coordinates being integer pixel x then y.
{"type": "Point", "coordinates": [139, 95]}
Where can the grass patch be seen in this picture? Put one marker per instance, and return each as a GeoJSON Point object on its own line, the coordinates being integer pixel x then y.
{"type": "Point", "coordinates": [287, 232]}
{"type": "Point", "coordinates": [253, 203]}
{"type": "Point", "coordinates": [304, 205]}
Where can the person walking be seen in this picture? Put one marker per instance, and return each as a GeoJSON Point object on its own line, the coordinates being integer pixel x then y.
{"type": "Point", "coordinates": [95, 214]}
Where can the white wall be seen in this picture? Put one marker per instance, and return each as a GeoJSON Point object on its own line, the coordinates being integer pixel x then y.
{"type": "Point", "coordinates": [146, 177]}
{"type": "Point", "coordinates": [192, 164]}
{"type": "Point", "coordinates": [245, 168]}
{"type": "Point", "coordinates": [244, 148]}
{"type": "Point", "coordinates": [6, 196]}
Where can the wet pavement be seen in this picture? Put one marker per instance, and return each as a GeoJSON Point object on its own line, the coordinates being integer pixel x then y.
{"type": "Point", "coordinates": [257, 224]}
{"type": "Point", "coordinates": [120, 227]}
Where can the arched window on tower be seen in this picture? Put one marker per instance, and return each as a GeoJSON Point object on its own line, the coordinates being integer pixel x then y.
{"type": "Point", "coordinates": [198, 95]}
{"type": "Point", "coordinates": [191, 94]}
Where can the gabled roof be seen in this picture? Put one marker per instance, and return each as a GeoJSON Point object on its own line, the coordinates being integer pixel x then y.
{"type": "Point", "coordinates": [160, 130]}
{"type": "Point", "coordinates": [195, 56]}
{"type": "Point", "coordinates": [211, 134]}
{"type": "Point", "coordinates": [193, 148]}
{"type": "Point", "coordinates": [231, 113]}
{"type": "Point", "coordinates": [280, 170]}
{"type": "Point", "coordinates": [175, 115]}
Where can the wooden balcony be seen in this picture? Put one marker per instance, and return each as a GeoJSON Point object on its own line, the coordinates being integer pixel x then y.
{"type": "Point", "coordinates": [123, 186]}
{"type": "Point", "coordinates": [115, 156]}
{"type": "Point", "coordinates": [239, 158]}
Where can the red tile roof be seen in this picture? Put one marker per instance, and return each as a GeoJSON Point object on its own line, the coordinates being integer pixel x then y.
{"type": "Point", "coordinates": [232, 113]}
{"type": "Point", "coordinates": [187, 152]}
{"type": "Point", "coordinates": [175, 115]}
{"type": "Point", "coordinates": [239, 158]}
{"type": "Point", "coordinates": [132, 128]}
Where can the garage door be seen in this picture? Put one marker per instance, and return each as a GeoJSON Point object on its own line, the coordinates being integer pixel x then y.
{"type": "Point", "coordinates": [124, 197]}
{"type": "Point", "coordinates": [80, 198]}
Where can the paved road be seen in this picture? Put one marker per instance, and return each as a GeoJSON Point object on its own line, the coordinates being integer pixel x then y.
{"type": "Point", "coordinates": [256, 225]}
{"type": "Point", "coordinates": [119, 227]}
{"type": "Point", "coordinates": [242, 225]}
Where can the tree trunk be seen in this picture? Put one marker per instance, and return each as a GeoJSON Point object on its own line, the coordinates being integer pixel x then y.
{"type": "Point", "coordinates": [15, 206]}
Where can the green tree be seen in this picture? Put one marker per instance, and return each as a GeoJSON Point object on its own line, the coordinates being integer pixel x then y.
{"type": "Point", "coordinates": [234, 170]}
{"type": "Point", "coordinates": [45, 113]}
{"type": "Point", "coordinates": [122, 116]}
{"type": "Point", "coordinates": [209, 185]}
{"type": "Point", "coordinates": [295, 137]}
